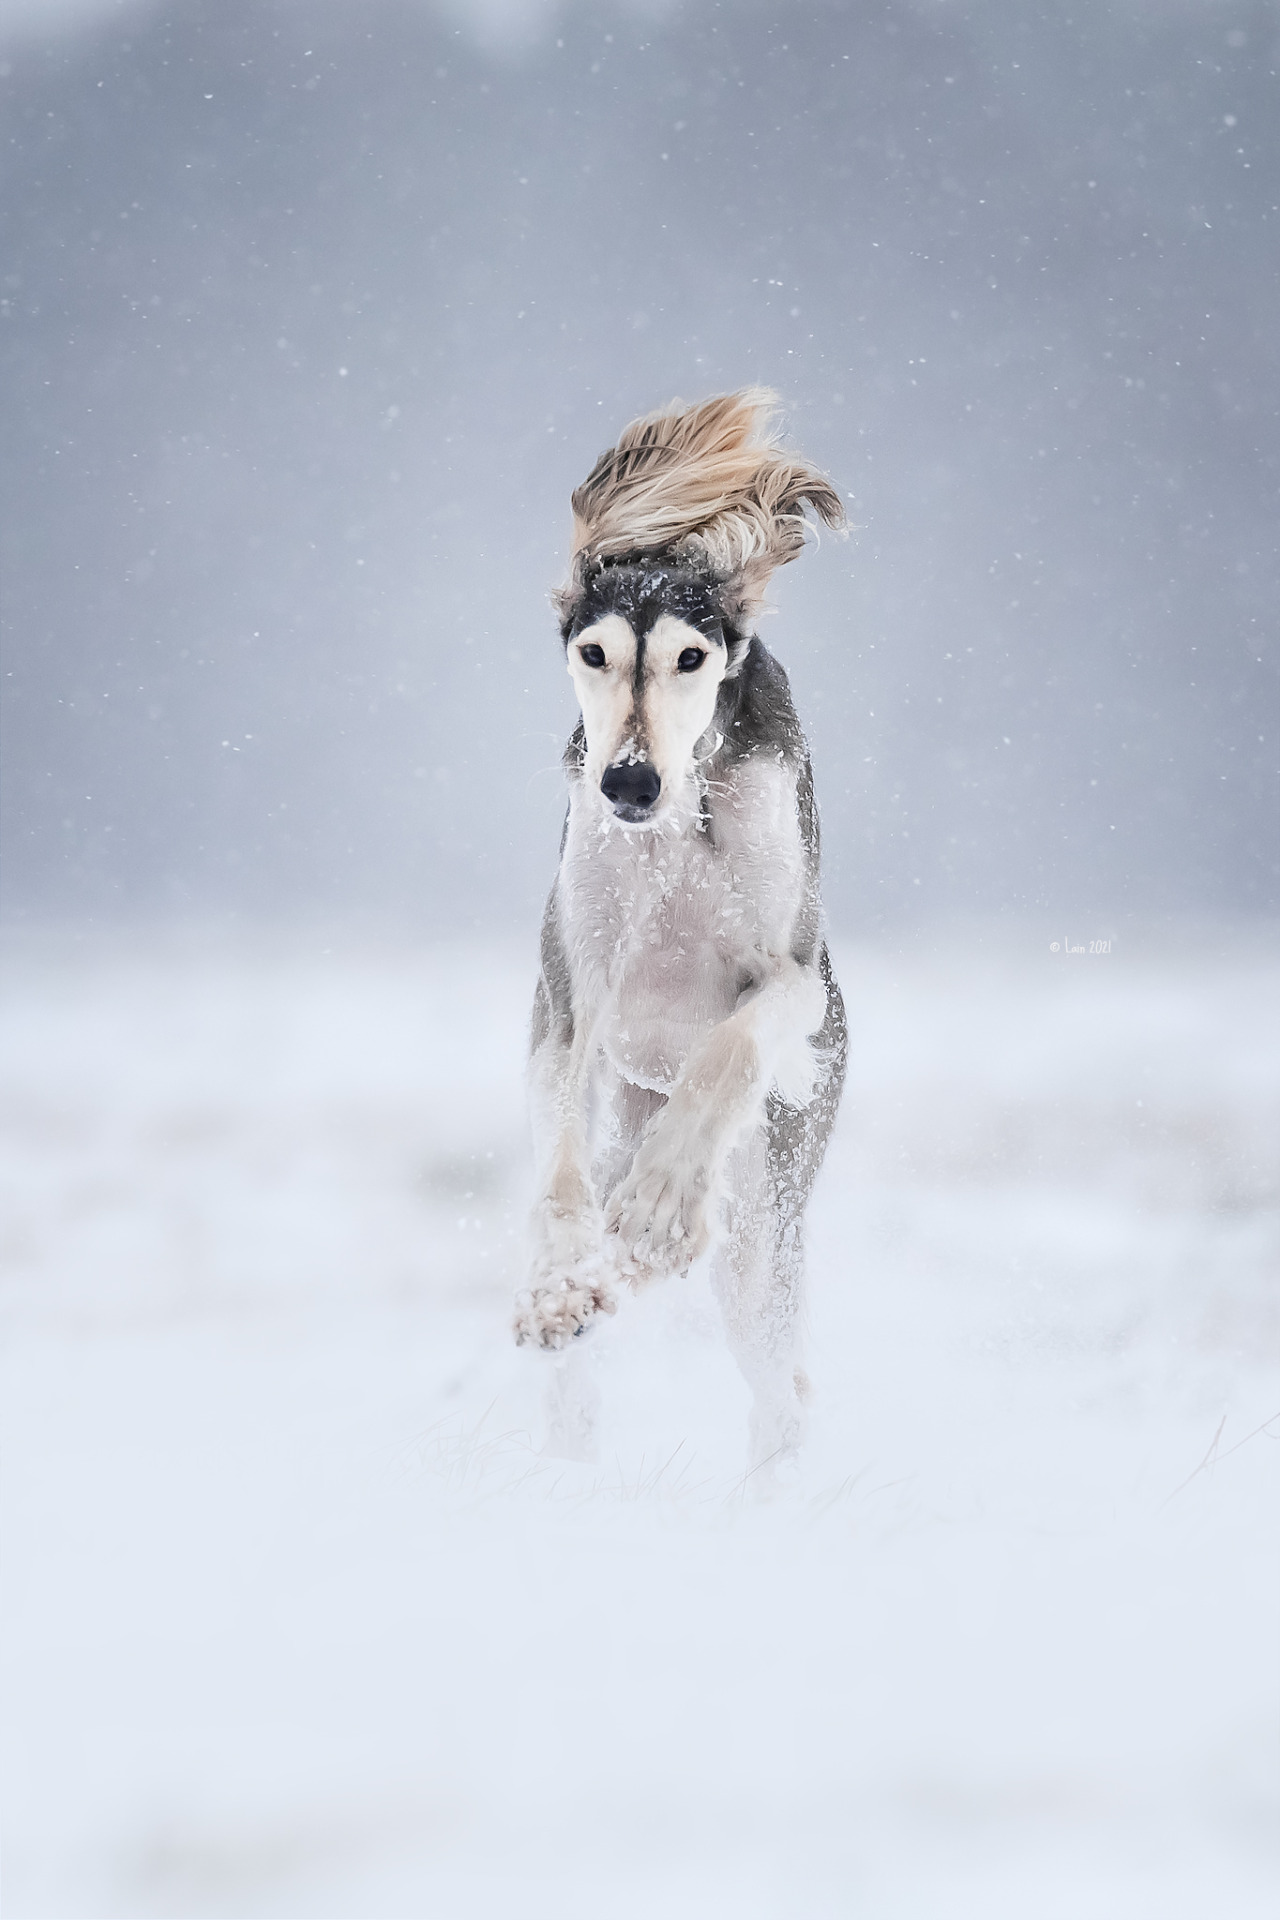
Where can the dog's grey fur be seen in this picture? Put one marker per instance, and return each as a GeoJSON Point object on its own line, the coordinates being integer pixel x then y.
{"type": "Point", "coordinates": [689, 1038]}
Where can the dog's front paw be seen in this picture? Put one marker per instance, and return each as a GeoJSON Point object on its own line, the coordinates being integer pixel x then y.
{"type": "Point", "coordinates": [660, 1215]}
{"type": "Point", "coordinates": [556, 1310]}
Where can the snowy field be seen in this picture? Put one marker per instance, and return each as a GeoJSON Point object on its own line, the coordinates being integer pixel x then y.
{"type": "Point", "coordinates": [300, 1622]}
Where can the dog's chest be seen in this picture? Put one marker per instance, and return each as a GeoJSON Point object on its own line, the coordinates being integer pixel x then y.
{"type": "Point", "coordinates": [665, 932]}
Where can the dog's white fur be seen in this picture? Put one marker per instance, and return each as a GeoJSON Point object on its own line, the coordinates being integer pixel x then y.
{"type": "Point", "coordinates": [678, 707]}
{"type": "Point", "coordinates": [684, 986]}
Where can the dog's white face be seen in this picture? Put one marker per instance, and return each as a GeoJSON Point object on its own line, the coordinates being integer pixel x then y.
{"type": "Point", "coordinates": [647, 699]}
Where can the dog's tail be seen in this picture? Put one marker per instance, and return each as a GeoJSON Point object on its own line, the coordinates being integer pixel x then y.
{"type": "Point", "coordinates": [706, 482]}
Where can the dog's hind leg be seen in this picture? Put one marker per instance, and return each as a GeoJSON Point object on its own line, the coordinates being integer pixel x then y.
{"type": "Point", "coordinates": [758, 1276]}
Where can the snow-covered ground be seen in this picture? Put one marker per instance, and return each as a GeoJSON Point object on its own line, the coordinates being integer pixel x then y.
{"type": "Point", "coordinates": [299, 1622]}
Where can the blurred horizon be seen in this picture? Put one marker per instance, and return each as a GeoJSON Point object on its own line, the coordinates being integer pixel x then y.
{"type": "Point", "coordinates": [313, 314]}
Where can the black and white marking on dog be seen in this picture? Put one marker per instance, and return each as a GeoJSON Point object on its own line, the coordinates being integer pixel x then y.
{"type": "Point", "coordinates": [688, 1034]}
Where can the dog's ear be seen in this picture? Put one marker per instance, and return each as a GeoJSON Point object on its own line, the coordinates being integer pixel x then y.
{"type": "Point", "coordinates": [743, 594]}
{"type": "Point", "coordinates": [706, 483]}
{"type": "Point", "coordinates": [567, 599]}
{"type": "Point", "coordinates": [772, 535]}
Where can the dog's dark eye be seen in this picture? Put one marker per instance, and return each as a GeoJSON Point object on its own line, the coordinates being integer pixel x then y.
{"type": "Point", "coordinates": [592, 656]}
{"type": "Point", "coordinates": [691, 659]}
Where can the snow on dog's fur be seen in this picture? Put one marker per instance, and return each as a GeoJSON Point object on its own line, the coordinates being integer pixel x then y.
{"type": "Point", "coordinates": [689, 1037]}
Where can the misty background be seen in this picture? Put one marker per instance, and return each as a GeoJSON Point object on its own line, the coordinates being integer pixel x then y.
{"type": "Point", "coordinates": [314, 313]}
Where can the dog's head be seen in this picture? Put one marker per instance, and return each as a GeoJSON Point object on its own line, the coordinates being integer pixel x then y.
{"type": "Point", "coordinates": [677, 530]}
{"type": "Point", "coordinates": [648, 646]}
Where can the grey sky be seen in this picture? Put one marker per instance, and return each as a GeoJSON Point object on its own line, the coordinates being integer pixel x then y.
{"type": "Point", "coordinates": [314, 314]}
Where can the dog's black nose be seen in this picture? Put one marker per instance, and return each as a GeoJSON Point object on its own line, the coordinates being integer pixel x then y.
{"type": "Point", "coordinates": [631, 790]}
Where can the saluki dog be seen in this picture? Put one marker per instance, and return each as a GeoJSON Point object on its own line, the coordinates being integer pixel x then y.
{"type": "Point", "coordinates": [688, 1034]}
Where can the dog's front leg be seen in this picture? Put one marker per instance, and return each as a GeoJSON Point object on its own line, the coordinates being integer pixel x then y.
{"type": "Point", "coordinates": [569, 1282]}
{"type": "Point", "coordinates": [663, 1213]}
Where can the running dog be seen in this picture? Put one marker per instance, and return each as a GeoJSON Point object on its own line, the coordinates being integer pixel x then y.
{"type": "Point", "coordinates": [689, 1037]}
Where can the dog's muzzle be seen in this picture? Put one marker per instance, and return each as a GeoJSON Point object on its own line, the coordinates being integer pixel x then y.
{"type": "Point", "coordinates": [631, 790]}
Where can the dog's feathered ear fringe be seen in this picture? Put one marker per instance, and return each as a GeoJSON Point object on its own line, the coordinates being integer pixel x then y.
{"type": "Point", "coordinates": [708, 484]}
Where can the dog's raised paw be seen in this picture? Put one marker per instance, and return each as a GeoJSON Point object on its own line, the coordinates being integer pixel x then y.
{"type": "Point", "coordinates": [556, 1311]}
{"type": "Point", "coordinates": [659, 1217]}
